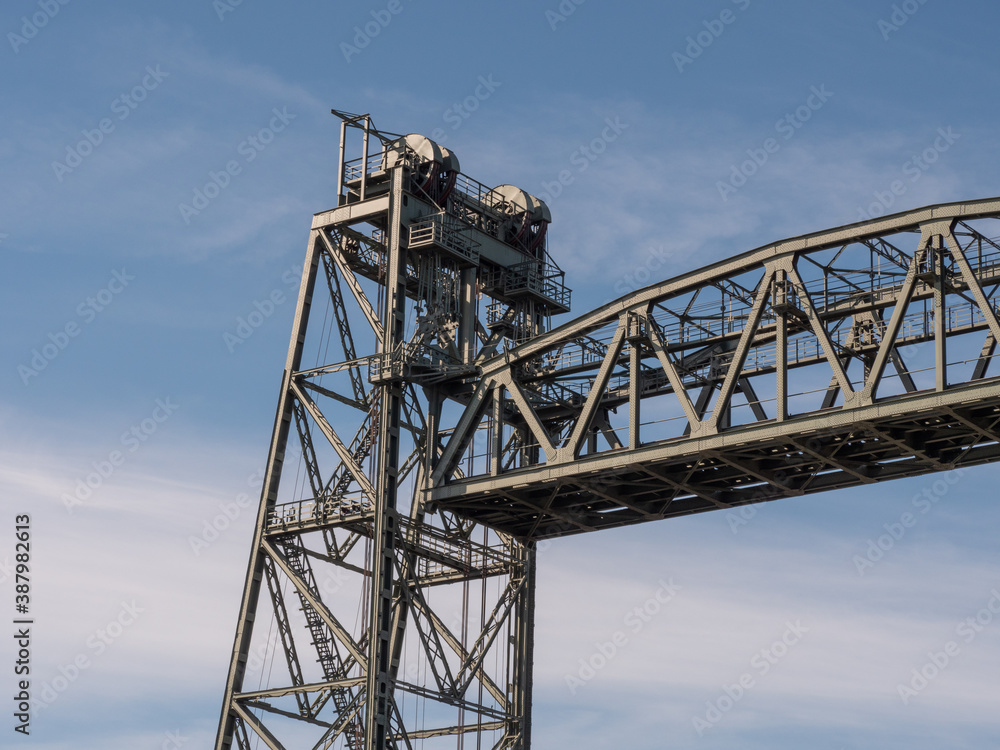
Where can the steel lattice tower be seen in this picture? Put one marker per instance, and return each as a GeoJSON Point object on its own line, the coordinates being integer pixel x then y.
{"type": "Point", "coordinates": [408, 254]}
{"type": "Point", "coordinates": [439, 427]}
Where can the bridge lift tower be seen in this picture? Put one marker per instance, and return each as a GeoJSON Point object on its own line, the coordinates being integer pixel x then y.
{"type": "Point", "coordinates": [432, 426]}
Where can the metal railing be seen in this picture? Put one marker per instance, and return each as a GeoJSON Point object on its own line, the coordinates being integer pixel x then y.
{"type": "Point", "coordinates": [316, 510]}
{"type": "Point", "coordinates": [443, 231]}
{"type": "Point", "coordinates": [414, 360]}
{"type": "Point", "coordinates": [538, 278]}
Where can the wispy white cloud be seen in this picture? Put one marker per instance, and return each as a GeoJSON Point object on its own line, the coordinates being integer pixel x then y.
{"type": "Point", "coordinates": [864, 635]}
{"type": "Point", "coordinates": [653, 187]}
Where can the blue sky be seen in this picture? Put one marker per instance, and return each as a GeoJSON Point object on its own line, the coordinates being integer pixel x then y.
{"type": "Point", "coordinates": [118, 303]}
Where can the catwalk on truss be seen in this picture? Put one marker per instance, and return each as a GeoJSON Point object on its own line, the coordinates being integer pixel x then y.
{"type": "Point", "coordinates": [432, 426]}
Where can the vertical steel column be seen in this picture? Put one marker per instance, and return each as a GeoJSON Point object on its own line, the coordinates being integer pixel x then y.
{"type": "Point", "coordinates": [417, 512]}
{"type": "Point", "coordinates": [380, 683]}
{"type": "Point", "coordinates": [940, 311]}
{"type": "Point", "coordinates": [781, 344]}
{"type": "Point", "coordinates": [635, 401]}
{"type": "Point", "coordinates": [268, 497]}
{"type": "Point", "coordinates": [496, 456]}
{"type": "Point", "coordinates": [634, 379]}
{"type": "Point", "coordinates": [524, 646]}
{"type": "Point", "coordinates": [467, 321]}
{"type": "Point", "coordinates": [340, 161]}
{"type": "Point", "coordinates": [364, 160]}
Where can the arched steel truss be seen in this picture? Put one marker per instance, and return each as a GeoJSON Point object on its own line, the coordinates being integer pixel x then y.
{"type": "Point", "coordinates": [840, 358]}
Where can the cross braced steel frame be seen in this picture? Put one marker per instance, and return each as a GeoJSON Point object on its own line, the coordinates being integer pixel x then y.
{"type": "Point", "coordinates": [446, 604]}
{"type": "Point", "coordinates": [849, 313]}
{"type": "Point", "coordinates": [446, 437]}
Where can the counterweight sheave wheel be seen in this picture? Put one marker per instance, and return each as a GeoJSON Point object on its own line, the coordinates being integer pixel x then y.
{"type": "Point", "coordinates": [434, 169]}
{"type": "Point", "coordinates": [527, 217]}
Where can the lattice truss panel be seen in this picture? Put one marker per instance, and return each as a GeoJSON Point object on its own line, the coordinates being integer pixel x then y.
{"type": "Point", "coordinates": [451, 620]}
{"type": "Point", "coordinates": [345, 551]}
{"type": "Point", "coordinates": [840, 358]}
{"type": "Point", "coordinates": [430, 428]}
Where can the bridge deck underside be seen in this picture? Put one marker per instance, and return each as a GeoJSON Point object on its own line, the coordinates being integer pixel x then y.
{"type": "Point", "coordinates": [901, 437]}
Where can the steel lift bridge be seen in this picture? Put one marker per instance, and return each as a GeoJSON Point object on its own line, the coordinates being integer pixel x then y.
{"type": "Point", "coordinates": [432, 426]}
